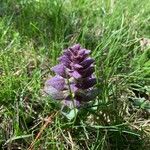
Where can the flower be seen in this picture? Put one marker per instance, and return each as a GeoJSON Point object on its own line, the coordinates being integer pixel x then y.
{"type": "Point", "coordinates": [74, 80]}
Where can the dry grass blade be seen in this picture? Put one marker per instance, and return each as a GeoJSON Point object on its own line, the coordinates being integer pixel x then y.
{"type": "Point", "coordinates": [47, 121]}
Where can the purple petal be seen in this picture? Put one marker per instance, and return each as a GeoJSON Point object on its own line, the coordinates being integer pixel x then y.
{"type": "Point", "coordinates": [87, 62]}
{"type": "Point", "coordinates": [76, 47]}
{"type": "Point", "coordinates": [79, 58]}
{"type": "Point", "coordinates": [85, 55]}
{"type": "Point", "coordinates": [60, 70]}
{"type": "Point", "coordinates": [81, 52]}
{"type": "Point", "coordinates": [67, 54]}
{"type": "Point", "coordinates": [87, 52]}
{"type": "Point", "coordinates": [57, 82]}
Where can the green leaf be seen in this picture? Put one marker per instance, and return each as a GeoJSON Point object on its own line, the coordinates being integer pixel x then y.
{"type": "Point", "coordinates": [72, 114]}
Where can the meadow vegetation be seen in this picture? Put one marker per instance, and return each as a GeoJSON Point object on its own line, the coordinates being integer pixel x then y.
{"type": "Point", "coordinates": [33, 34]}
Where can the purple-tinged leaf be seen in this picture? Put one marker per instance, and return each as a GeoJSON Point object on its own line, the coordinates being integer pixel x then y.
{"type": "Point", "coordinates": [75, 48]}
{"type": "Point", "coordinates": [54, 93]}
{"type": "Point", "coordinates": [76, 66]}
{"type": "Point", "coordinates": [65, 61]}
{"type": "Point", "coordinates": [71, 103]}
{"type": "Point", "coordinates": [86, 72]}
{"type": "Point", "coordinates": [67, 54]}
{"type": "Point", "coordinates": [60, 70]}
{"type": "Point", "coordinates": [86, 83]}
{"type": "Point", "coordinates": [75, 74]}
{"type": "Point", "coordinates": [57, 82]}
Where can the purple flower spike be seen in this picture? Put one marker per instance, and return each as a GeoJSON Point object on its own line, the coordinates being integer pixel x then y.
{"type": "Point", "coordinates": [74, 76]}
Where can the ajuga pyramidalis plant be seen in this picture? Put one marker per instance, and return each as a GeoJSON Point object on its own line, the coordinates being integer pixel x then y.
{"type": "Point", "coordinates": [74, 81]}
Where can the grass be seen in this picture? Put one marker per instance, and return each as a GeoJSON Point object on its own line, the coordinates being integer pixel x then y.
{"type": "Point", "coordinates": [33, 34]}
